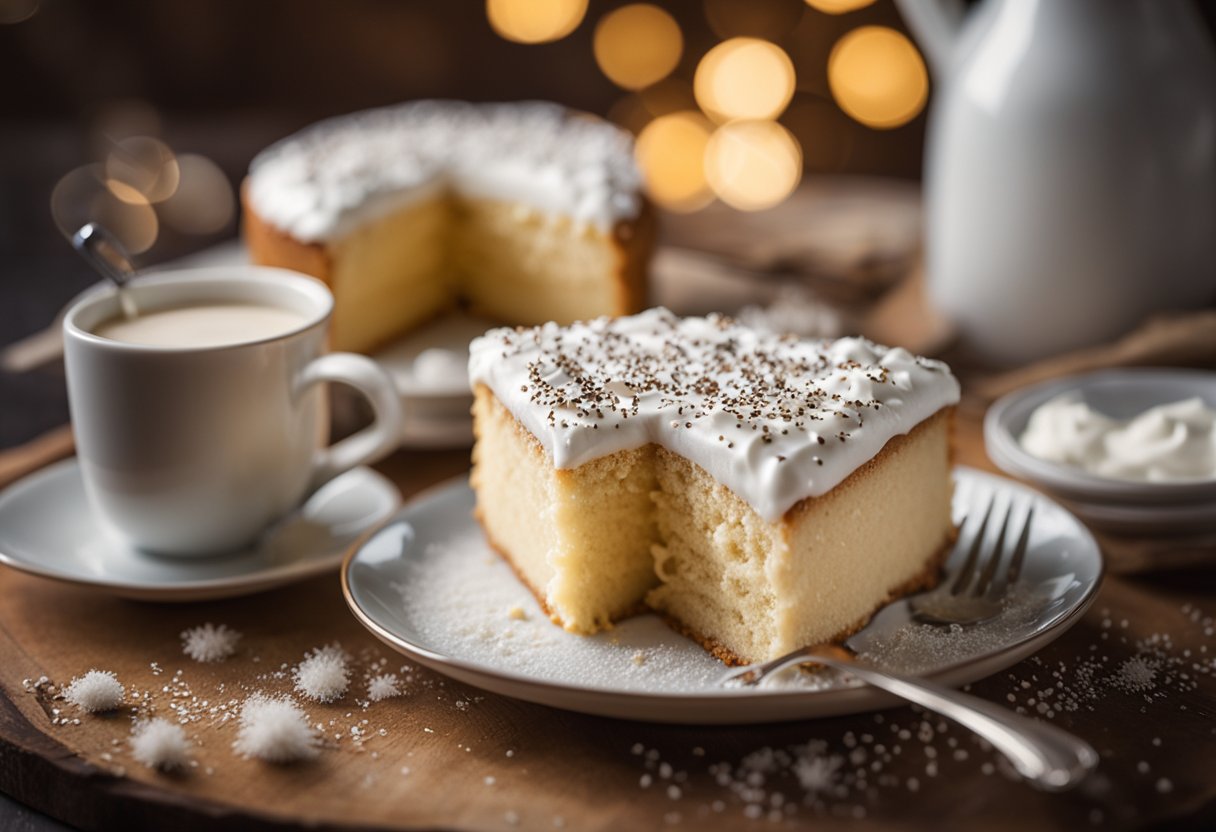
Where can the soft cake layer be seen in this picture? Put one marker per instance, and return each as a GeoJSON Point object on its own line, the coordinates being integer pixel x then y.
{"type": "Point", "coordinates": [751, 590]}
{"type": "Point", "coordinates": [647, 527]}
{"type": "Point", "coordinates": [579, 539]}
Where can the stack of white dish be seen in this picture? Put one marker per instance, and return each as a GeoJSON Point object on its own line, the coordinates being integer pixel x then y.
{"type": "Point", "coordinates": [430, 369]}
{"type": "Point", "coordinates": [1182, 506]}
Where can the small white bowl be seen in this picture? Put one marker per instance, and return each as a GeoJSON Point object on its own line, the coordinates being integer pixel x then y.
{"type": "Point", "coordinates": [1121, 394]}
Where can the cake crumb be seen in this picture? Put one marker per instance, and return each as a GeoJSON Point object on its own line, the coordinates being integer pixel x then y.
{"type": "Point", "coordinates": [516, 613]}
{"type": "Point", "coordinates": [159, 744]}
{"type": "Point", "coordinates": [209, 643]}
{"type": "Point", "coordinates": [324, 675]}
{"type": "Point", "coordinates": [274, 729]}
{"type": "Point", "coordinates": [95, 691]}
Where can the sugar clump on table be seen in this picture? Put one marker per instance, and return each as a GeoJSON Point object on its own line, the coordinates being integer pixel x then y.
{"type": "Point", "coordinates": [160, 744]}
{"type": "Point", "coordinates": [275, 729]}
{"type": "Point", "coordinates": [324, 674]}
{"type": "Point", "coordinates": [209, 643]}
{"type": "Point", "coordinates": [383, 686]}
{"type": "Point", "coordinates": [96, 691]}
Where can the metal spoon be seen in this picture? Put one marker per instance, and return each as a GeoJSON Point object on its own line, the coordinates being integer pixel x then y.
{"type": "Point", "coordinates": [107, 255]}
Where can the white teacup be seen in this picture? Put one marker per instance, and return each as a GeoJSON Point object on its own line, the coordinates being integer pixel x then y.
{"type": "Point", "coordinates": [191, 448]}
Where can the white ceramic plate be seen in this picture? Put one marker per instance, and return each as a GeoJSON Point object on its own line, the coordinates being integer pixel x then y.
{"type": "Point", "coordinates": [48, 529]}
{"type": "Point", "coordinates": [428, 585]}
{"type": "Point", "coordinates": [1121, 394]}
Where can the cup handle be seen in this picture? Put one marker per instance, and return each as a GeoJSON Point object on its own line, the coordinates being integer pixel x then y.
{"type": "Point", "coordinates": [370, 444]}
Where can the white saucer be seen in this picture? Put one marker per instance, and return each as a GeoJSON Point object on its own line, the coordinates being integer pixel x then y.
{"type": "Point", "coordinates": [428, 585]}
{"type": "Point", "coordinates": [48, 529]}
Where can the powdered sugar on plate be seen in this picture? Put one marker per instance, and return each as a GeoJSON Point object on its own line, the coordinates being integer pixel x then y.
{"type": "Point", "coordinates": [463, 600]}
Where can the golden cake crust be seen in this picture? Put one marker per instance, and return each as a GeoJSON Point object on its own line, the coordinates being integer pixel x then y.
{"type": "Point", "coordinates": [268, 246]}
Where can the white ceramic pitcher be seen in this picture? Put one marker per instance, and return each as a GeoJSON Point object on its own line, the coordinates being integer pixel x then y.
{"type": "Point", "coordinates": [1070, 168]}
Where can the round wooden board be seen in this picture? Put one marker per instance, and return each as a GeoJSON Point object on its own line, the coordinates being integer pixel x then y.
{"type": "Point", "coordinates": [447, 756]}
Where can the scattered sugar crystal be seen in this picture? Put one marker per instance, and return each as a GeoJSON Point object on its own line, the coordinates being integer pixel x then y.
{"type": "Point", "coordinates": [159, 743]}
{"type": "Point", "coordinates": [324, 675]}
{"type": "Point", "coordinates": [384, 686]}
{"type": "Point", "coordinates": [95, 691]}
{"type": "Point", "coordinates": [209, 643]}
{"type": "Point", "coordinates": [1136, 674]}
{"type": "Point", "coordinates": [274, 729]}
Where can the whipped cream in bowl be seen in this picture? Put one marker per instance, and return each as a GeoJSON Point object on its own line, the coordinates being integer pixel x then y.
{"type": "Point", "coordinates": [1144, 436]}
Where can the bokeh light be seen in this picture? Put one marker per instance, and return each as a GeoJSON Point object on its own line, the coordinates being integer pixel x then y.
{"type": "Point", "coordinates": [670, 152]}
{"type": "Point", "coordinates": [204, 202]}
{"type": "Point", "coordinates": [744, 78]}
{"type": "Point", "coordinates": [637, 45]}
{"type": "Point", "coordinates": [535, 21]}
{"type": "Point", "coordinates": [752, 165]}
{"type": "Point", "coordinates": [15, 11]}
{"type": "Point", "coordinates": [144, 165]}
{"type": "Point", "coordinates": [877, 77]}
{"type": "Point", "coordinates": [83, 195]}
{"type": "Point", "coordinates": [838, 6]}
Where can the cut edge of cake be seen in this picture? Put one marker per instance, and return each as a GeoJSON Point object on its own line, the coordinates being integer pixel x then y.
{"type": "Point", "coordinates": [487, 407]}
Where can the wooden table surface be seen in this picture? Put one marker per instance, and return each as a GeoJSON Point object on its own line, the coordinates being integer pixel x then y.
{"type": "Point", "coordinates": [1134, 678]}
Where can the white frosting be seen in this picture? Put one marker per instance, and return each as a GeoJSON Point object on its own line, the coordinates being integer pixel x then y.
{"type": "Point", "coordinates": [1167, 443]}
{"type": "Point", "coordinates": [775, 419]}
{"type": "Point", "coordinates": [328, 179]}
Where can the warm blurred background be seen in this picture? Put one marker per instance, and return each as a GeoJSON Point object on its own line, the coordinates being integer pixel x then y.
{"type": "Point", "coordinates": [145, 115]}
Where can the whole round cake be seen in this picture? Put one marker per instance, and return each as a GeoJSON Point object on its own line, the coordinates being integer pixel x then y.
{"type": "Point", "coordinates": [524, 212]}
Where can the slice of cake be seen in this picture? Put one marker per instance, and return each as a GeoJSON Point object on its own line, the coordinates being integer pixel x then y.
{"type": "Point", "coordinates": [761, 492]}
{"type": "Point", "coordinates": [524, 212]}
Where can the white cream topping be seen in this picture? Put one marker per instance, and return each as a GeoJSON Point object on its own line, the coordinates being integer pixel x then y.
{"type": "Point", "coordinates": [1167, 443]}
{"type": "Point", "coordinates": [328, 179]}
{"type": "Point", "coordinates": [775, 419]}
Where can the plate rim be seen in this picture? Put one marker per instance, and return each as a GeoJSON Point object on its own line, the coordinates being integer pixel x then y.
{"type": "Point", "coordinates": [200, 590]}
{"type": "Point", "coordinates": [954, 674]}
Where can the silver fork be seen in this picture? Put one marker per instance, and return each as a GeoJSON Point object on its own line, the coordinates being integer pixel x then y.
{"type": "Point", "coordinates": [1046, 756]}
